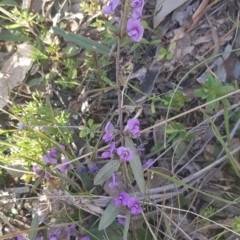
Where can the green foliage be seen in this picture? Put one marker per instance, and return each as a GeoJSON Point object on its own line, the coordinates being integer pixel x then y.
{"type": "Point", "coordinates": [81, 41]}
{"type": "Point", "coordinates": [40, 114]}
{"type": "Point", "coordinates": [166, 53]}
{"type": "Point", "coordinates": [177, 131]}
{"type": "Point", "coordinates": [178, 100]}
{"type": "Point", "coordinates": [213, 89]}
{"type": "Point", "coordinates": [89, 130]}
{"type": "Point", "coordinates": [236, 224]}
{"type": "Point", "coordinates": [90, 7]}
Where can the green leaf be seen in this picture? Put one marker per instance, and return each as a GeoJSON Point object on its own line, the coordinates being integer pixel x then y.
{"type": "Point", "coordinates": [13, 36]}
{"type": "Point", "coordinates": [8, 3]}
{"type": "Point", "coordinates": [35, 223]}
{"type": "Point", "coordinates": [109, 215]}
{"type": "Point", "coordinates": [106, 172]}
{"type": "Point", "coordinates": [143, 234]}
{"type": "Point", "coordinates": [34, 81]}
{"type": "Point", "coordinates": [198, 93]}
{"type": "Point", "coordinates": [144, 24]}
{"type": "Point", "coordinates": [82, 41]}
{"type": "Point", "coordinates": [126, 227]}
{"type": "Point", "coordinates": [32, 52]}
{"type": "Point", "coordinates": [136, 165]}
{"type": "Point", "coordinates": [180, 147]}
{"type": "Point", "coordinates": [90, 122]}
{"type": "Point", "coordinates": [113, 232]}
{"type": "Point", "coordinates": [83, 133]}
{"type": "Point", "coordinates": [94, 127]}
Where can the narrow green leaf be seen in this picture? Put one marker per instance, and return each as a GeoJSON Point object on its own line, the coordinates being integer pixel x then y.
{"type": "Point", "coordinates": [108, 216]}
{"type": "Point", "coordinates": [106, 172]}
{"type": "Point", "coordinates": [181, 183]}
{"type": "Point", "coordinates": [35, 223]}
{"type": "Point", "coordinates": [136, 165]}
{"type": "Point", "coordinates": [82, 41]}
{"type": "Point", "coordinates": [32, 52]}
{"type": "Point", "coordinates": [9, 3]}
{"type": "Point", "coordinates": [126, 227]}
{"type": "Point", "coordinates": [12, 36]}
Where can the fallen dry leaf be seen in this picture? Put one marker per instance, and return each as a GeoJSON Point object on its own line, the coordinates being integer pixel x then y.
{"type": "Point", "coordinates": [163, 8]}
{"type": "Point", "coordinates": [12, 74]}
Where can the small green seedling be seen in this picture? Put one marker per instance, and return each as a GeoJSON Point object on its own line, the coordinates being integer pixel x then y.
{"type": "Point", "coordinates": [213, 89]}
{"type": "Point", "coordinates": [89, 130]}
{"type": "Point", "coordinates": [166, 53]}
{"type": "Point", "coordinates": [236, 224]}
{"type": "Point", "coordinates": [178, 100]}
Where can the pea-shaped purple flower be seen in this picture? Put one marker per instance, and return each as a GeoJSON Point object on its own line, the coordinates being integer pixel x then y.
{"type": "Point", "coordinates": [111, 7]}
{"type": "Point", "coordinates": [134, 206]}
{"type": "Point", "coordinates": [125, 154]}
{"type": "Point", "coordinates": [133, 126]}
{"type": "Point", "coordinates": [135, 29]}
{"type": "Point", "coordinates": [137, 8]}
{"type": "Point", "coordinates": [65, 166]}
{"type": "Point", "coordinates": [122, 199]}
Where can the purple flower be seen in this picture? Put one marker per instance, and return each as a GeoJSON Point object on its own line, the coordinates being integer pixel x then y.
{"type": "Point", "coordinates": [54, 236]}
{"type": "Point", "coordinates": [134, 127]}
{"type": "Point", "coordinates": [48, 159]}
{"type": "Point", "coordinates": [47, 175]}
{"type": "Point", "coordinates": [135, 29]}
{"type": "Point", "coordinates": [65, 166]}
{"type": "Point", "coordinates": [38, 171]}
{"type": "Point", "coordinates": [134, 205]}
{"type": "Point", "coordinates": [113, 184]}
{"type": "Point", "coordinates": [71, 231]}
{"type": "Point", "coordinates": [137, 3]}
{"type": "Point", "coordinates": [148, 164]}
{"type": "Point", "coordinates": [51, 156]}
{"type": "Point", "coordinates": [93, 169]}
{"type": "Point", "coordinates": [137, 8]}
{"type": "Point", "coordinates": [85, 238]}
{"type": "Point", "coordinates": [124, 154]}
{"type": "Point", "coordinates": [81, 169]}
{"type": "Point", "coordinates": [108, 136]}
{"type": "Point", "coordinates": [111, 7]}
{"type": "Point", "coordinates": [20, 237]}
{"type": "Point", "coordinates": [122, 199]}
{"type": "Point", "coordinates": [140, 149]}
{"type": "Point", "coordinates": [109, 154]}
{"type": "Point", "coordinates": [122, 221]}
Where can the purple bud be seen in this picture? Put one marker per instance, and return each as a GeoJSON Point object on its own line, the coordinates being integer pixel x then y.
{"type": "Point", "coordinates": [122, 221]}
{"type": "Point", "coordinates": [108, 136]}
{"type": "Point", "coordinates": [148, 164]}
{"type": "Point", "coordinates": [113, 184]}
{"type": "Point", "coordinates": [109, 153]}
